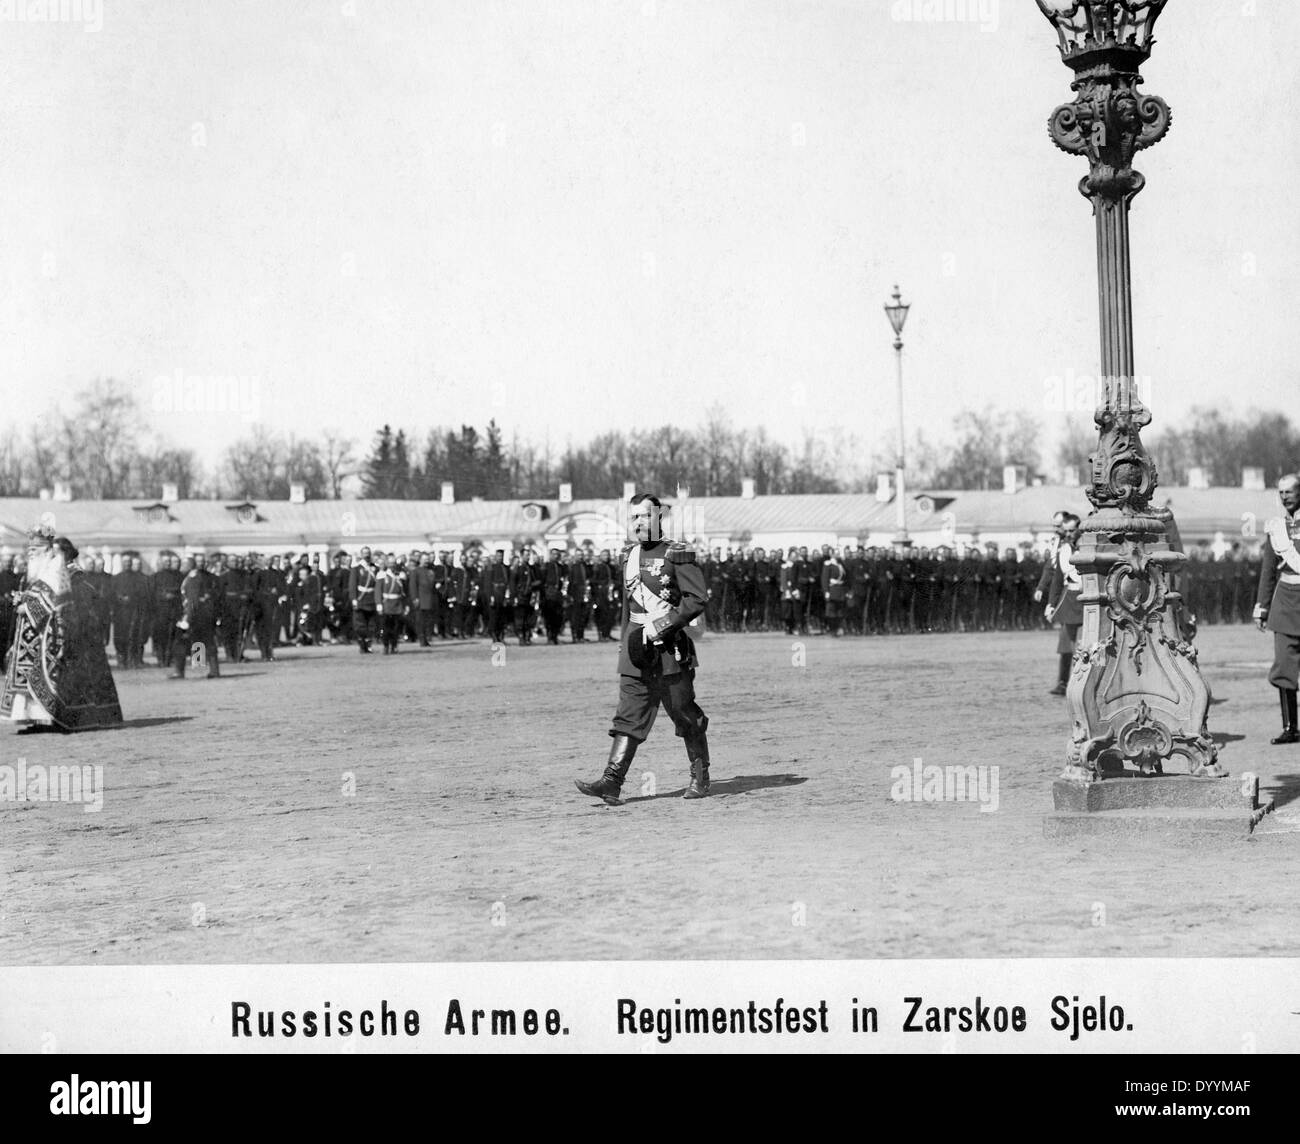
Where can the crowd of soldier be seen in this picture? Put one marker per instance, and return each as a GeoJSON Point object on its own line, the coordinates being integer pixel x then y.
{"type": "Point", "coordinates": [876, 591]}
{"type": "Point", "coordinates": [273, 601]}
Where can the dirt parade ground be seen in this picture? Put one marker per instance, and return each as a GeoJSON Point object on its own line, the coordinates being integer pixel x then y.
{"type": "Point", "coordinates": [421, 808]}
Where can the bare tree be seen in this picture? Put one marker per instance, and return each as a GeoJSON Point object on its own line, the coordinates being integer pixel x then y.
{"type": "Point", "coordinates": [338, 458]}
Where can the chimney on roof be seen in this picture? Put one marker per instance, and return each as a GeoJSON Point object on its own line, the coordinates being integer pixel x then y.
{"type": "Point", "coordinates": [1251, 478]}
{"type": "Point", "coordinates": [566, 493]}
{"type": "Point", "coordinates": [170, 492]}
{"type": "Point", "coordinates": [448, 492]}
{"type": "Point", "coordinates": [884, 487]}
{"type": "Point", "coordinates": [297, 493]}
{"type": "Point", "coordinates": [683, 491]}
{"type": "Point", "coordinates": [1014, 478]}
{"type": "Point", "coordinates": [63, 491]}
{"type": "Point", "coordinates": [1197, 478]}
{"type": "Point", "coordinates": [747, 488]}
{"type": "Point", "coordinates": [1070, 476]}
{"type": "Point", "coordinates": [629, 490]}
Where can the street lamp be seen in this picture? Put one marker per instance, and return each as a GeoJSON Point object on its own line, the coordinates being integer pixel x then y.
{"type": "Point", "coordinates": [897, 314]}
{"type": "Point", "coordinates": [1135, 692]}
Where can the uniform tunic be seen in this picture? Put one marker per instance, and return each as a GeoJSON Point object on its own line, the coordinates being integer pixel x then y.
{"type": "Point", "coordinates": [1278, 598]}
{"type": "Point", "coordinates": [661, 581]}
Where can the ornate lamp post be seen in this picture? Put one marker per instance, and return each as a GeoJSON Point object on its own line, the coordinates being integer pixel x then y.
{"type": "Point", "coordinates": [897, 314]}
{"type": "Point", "coordinates": [1135, 692]}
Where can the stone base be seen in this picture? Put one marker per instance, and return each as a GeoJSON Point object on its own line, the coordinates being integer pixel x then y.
{"type": "Point", "coordinates": [1175, 826]}
{"type": "Point", "coordinates": [1161, 791]}
{"type": "Point", "coordinates": [1157, 807]}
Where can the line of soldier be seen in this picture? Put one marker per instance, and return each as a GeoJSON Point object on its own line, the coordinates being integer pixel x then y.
{"type": "Point", "coordinates": [429, 596]}
{"type": "Point", "coordinates": [271, 601]}
{"type": "Point", "coordinates": [878, 591]}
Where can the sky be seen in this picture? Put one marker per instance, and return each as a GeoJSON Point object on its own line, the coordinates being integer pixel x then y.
{"type": "Point", "coordinates": [584, 215]}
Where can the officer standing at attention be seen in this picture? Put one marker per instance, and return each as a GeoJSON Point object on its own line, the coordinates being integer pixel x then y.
{"type": "Point", "coordinates": [363, 595]}
{"type": "Point", "coordinates": [201, 597]}
{"type": "Point", "coordinates": [663, 591]}
{"type": "Point", "coordinates": [1065, 606]}
{"type": "Point", "coordinates": [165, 610]}
{"type": "Point", "coordinates": [1277, 604]}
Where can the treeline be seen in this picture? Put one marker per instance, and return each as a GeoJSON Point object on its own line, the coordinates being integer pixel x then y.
{"type": "Point", "coordinates": [1219, 444]}
{"type": "Point", "coordinates": [102, 447]}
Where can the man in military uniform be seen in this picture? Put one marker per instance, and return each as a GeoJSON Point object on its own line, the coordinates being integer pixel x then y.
{"type": "Point", "coordinates": [604, 577]}
{"type": "Point", "coordinates": [1277, 604]}
{"type": "Point", "coordinates": [236, 598]}
{"type": "Point", "coordinates": [834, 592]}
{"type": "Point", "coordinates": [1065, 601]}
{"type": "Point", "coordinates": [165, 606]}
{"type": "Point", "coordinates": [553, 597]}
{"type": "Point", "coordinates": [266, 584]}
{"type": "Point", "coordinates": [363, 595]}
{"type": "Point", "coordinates": [130, 613]}
{"type": "Point", "coordinates": [391, 588]}
{"type": "Point", "coordinates": [424, 599]}
{"type": "Point", "coordinates": [201, 597]}
{"type": "Point", "coordinates": [496, 596]}
{"type": "Point", "coordinates": [577, 598]}
{"type": "Point", "coordinates": [664, 591]}
{"type": "Point", "coordinates": [525, 579]}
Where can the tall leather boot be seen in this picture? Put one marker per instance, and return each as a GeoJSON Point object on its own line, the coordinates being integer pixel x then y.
{"type": "Point", "coordinates": [697, 751]}
{"type": "Point", "coordinates": [1290, 733]}
{"type": "Point", "coordinates": [178, 659]}
{"type": "Point", "coordinates": [1063, 676]}
{"type": "Point", "coordinates": [608, 786]}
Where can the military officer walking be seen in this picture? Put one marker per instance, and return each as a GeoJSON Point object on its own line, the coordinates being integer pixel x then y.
{"type": "Point", "coordinates": [664, 590]}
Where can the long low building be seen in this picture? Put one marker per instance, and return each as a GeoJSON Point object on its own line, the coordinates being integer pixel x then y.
{"type": "Point", "coordinates": [1217, 518]}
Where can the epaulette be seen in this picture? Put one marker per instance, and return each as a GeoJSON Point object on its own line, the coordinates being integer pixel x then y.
{"type": "Point", "coordinates": [679, 553]}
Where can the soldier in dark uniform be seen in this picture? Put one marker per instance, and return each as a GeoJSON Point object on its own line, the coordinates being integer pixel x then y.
{"type": "Point", "coordinates": [424, 598]}
{"type": "Point", "coordinates": [201, 598]}
{"type": "Point", "coordinates": [496, 596]}
{"type": "Point", "coordinates": [471, 593]}
{"type": "Point", "coordinates": [10, 585]}
{"type": "Point", "coordinates": [1277, 603]}
{"type": "Point", "coordinates": [603, 598]}
{"type": "Point", "coordinates": [236, 598]}
{"type": "Point", "coordinates": [1065, 606]}
{"type": "Point", "coordinates": [364, 597]}
{"type": "Point", "coordinates": [338, 579]}
{"type": "Point", "coordinates": [990, 589]}
{"type": "Point", "coordinates": [266, 583]}
{"type": "Point", "coordinates": [130, 613]}
{"type": "Point", "coordinates": [165, 606]}
{"type": "Point", "coordinates": [310, 605]}
{"type": "Point", "coordinates": [577, 598]}
{"type": "Point", "coordinates": [656, 662]}
{"type": "Point", "coordinates": [715, 579]}
{"type": "Point", "coordinates": [553, 597]}
{"type": "Point", "coordinates": [833, 592]}
{"type": "Point", "coordinates": [103, 604]}
{"type": "Point", "coordinates": [734, 603]}
{"type": "Point", "coordinates": [525, 581]}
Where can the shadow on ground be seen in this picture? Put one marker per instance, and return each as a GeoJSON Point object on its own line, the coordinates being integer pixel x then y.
{"type": "Point", "coordinates": [1286, 789]}
{"type": "Point", "coordinates": [741, 784]}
